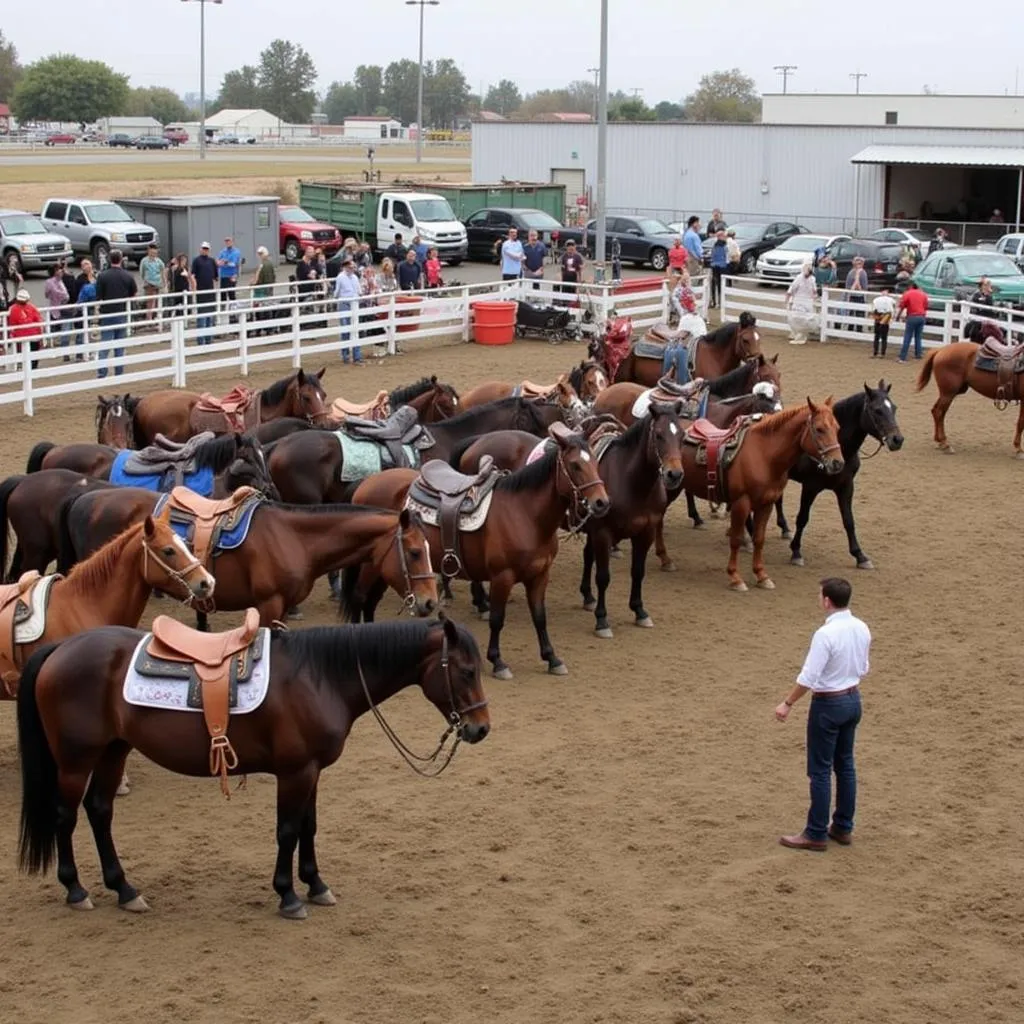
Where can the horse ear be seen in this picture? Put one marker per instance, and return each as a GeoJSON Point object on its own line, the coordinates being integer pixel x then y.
{"type": "Point", "coordinates": [810, 404]}
{"type": "Point", "coordinates": [433, 378]}
{"type": "Point", "coordinates": [775, 358]}
{"type": "Point", "coordinates": [882, 384]}
{"type": "Point", "coordinates": [320, 373]}
{"type": "Point", "coordinates": [867, 389]}
{"type": "Point", "coordinates": [451, 631]}
{"type": "Point", "coordinates": [404, 519]}
{"type": "Point", "coordinates": [300, 377]}
{"type": "Point", "coordinates": [830, 400]}
{"type": "Point", "coordinates": [149, 527]}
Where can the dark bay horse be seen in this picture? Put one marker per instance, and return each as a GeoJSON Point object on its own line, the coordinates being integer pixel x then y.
{"type": "Point", "coordinates": [432, 400]}
{"type": "Point", "coordinates": [286, 550]}
{"type": "Point", "coordinates": [114, 416]}
{"type": "Point", "coordinates": [169, 411]}
{"type": "Point", "coordinates": [517, 543]}
{"type": "Point", "coordinates": [75, 730]}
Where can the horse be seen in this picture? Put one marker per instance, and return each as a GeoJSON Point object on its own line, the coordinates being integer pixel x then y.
{"type": "Point", "coordinates": [588, 380]}
{"type": "Point", "coordinates": [114, 416]}
{"type": "Point", "coordinates": [756, 477]}
{"type": "Point", "coordinates": [169, 412]}
{"type": "Point", "coordinates": [75, 730]}
{"type": "Point", "coordinates": [111, 587]}
{"type": "Point", "coordinates": [432, 400]}
{"type": "Point", "coordinates": [517, 543]}
{"type": "Point", "coordinates": [561, 393]}
{"type": "Point", "coordinates": [955, 371]}
{"type": "Point", "coordinates": [867, 413]}
{"type": "Point", "coordinates": [287, 548]}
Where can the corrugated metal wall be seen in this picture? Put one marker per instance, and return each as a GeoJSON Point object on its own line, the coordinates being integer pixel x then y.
{"type": "Point", "coordinates": [787, 171]}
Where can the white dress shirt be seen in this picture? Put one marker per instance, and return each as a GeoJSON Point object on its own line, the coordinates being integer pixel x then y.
{"type": "Point", "coordinates": [838, 657]}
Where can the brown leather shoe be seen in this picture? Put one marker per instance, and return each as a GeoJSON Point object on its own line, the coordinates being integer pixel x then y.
{"type": "Point", "coordinates": [801, 842]}
{"type": "Point", "coordinates": [839, 836]}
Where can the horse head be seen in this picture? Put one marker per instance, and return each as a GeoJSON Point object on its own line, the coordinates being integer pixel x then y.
{"type": "Point", "coordinates": [589, 380]}
{"type": "Point", "coordinates": [879, 418]}
{"type": "Point", "coordinates": [249, 468]}
{"type": "Point", "coordinates": [168, 565]}
{"type": "Point", "coordinates": [115, 421]}
{"type": "Point", "coordinates": [445, 400]}
{"type": "Point", "coordinates": [308, 399]}
{"type": "Point", "coordinates": [451, 680]}
{"type": "Point", "coordinates": [747, 340]}
{"type": "Point", "coordinates": [820, 438]}
{"type": "Point", "coordinates": [666, 440]}
{"type": "Point", "coordinates": [565, 397]}
{"type": "Point", "coordinates": [766, 371]}
{"type": "Point", "coordinates": [576, 461]}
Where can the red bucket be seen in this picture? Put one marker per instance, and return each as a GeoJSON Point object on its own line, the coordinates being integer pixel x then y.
{"type": "Point", "coordinates": [494, 322]}
{"type": "Point", "coordinates": [412, 301]}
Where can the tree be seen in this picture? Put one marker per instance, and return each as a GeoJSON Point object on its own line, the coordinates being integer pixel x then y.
{"type": "Point", "coordinates": [240, 90]}
{"type": "Point", "coordinates": [65, 88]}
{"type": "Point", "coordinates": [633, 109]}
{"type": "Point", "coordinates": [503, 98]}
{"type": "Point", "coordinates": [724, 96]}
{"type": "Point", "coordinates": [369, 85]}
{"type": "Point", "coordinates": [340, 101]}
{"type": "Point", "coordinates": [668, 111]}
{"type": "Point", "coordinates": [10, 69]}
{"type": "Point", "coordinates": [400, 84]}
{"type": "Point", "coordinates": [287, 75]}
{"type": "Point", "coordinates": [445, 93]}
{"type": "Point", "coordinates": [163, 104]}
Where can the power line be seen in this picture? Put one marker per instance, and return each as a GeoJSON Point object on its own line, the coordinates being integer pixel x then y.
{"type": "Point", "coordinates": [785, 70]}
{"type": "Point", "coordinates": [857, 76]}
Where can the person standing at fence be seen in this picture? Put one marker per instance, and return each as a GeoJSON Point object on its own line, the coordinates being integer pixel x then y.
{"type": "Point", "coordinates": [984, 296]}
{"type": "Point", "coordinates": [25, 322]}
{"type": "Point", "coordinates": [800, 302]}
{"type": "Point", "coordinates": [837, 661]}
{"type": "Point", "coordinates": [229, 262]}
{"type": "Point", "coordinates": [115, 288]}
{"type": "Point", "coordinates": [676, 261]}
{"type": "Point", "coordinates": [719, 265]}
{"type": "Point", "coordinates": [734, 251]}
{"type": "Point", "coordinates": [717, 223]}
{"type": "Point", "coordinates": [85, 297]}
{"type": "Point", "coordinates": [396, 250]}
{"type": "Point", "coordinates": [347, 291]}
{"type": "Point", "coordinates": [535, 253]}
{"type": "Point", "coordinates": [512, 256]}
{"type": "Point", "coordinates": [57, 299]}
{"type": "Point", "coordinates": [410, 273]}
{"type": "Point", "coordinates": [179, 282]}
{"type": "Point", "coordinates": [263, 282]}
{"type": "Point", "coordinates": [882, 309]}
{"type": "Point", "coordinates": [204, 277]}
{"type": "Point", "coordinates": [154, 279]}
{"type": "Point", "coordinates": [694, 247]}
{"type": "Point", "coordinates": [856, 285]}
{"type": "Point", "coordinates": [913, 309]}
{"type": "Point", "coordinates": [572, 268]}
{"type": "Point", "coordinates": [432, 269]}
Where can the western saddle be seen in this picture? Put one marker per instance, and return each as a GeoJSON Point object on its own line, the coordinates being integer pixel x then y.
{"type": "Point", "coordinates": [530, 390]}
{"type": "Point", "coordinates": [378, 408]}
{"type": "Point", "coordinates": [15, 607]}
{"type": "Point", "coordinates": [453, 494]}
{"type": "Point", "coordinates": [402, 428]}
{"type": "Point", "coordinates": [1009, 362]}
{"type": "Point", "coordinates": [704, 433]}
{"type": "Point", "coordinates": [668, 390]}
{"type": "Point", "coordinates": [235, 413]}
{"type": "Point", "coordinates": [208, 517]}
{"type": "Point", "coordinates": [211, 656]}
{"type": "Point", "coordinates": [664, 334]}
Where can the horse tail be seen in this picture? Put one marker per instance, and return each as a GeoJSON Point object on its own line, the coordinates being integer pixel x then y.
{"type": "Point", "coordinates": [36, 456]}
{"type": "Point", "coordinates": [926, 369]}
{"type": "Point", "coordinates": [6, 490]}
{"type": "Point", "coordinates": [459, 450]}
{"type": "Point", "coordinates": [40, 796]}
{"type": "Point", "coordinates": [67, 553]}
{"type": "Point", "coordinates": [350, 604]}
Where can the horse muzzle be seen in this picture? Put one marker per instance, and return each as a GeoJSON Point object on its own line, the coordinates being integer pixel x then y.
{"type": "Point", "coordinates": [672, 478]}
{"type": "Point", "coordinates": [474, 732]}
{"type": "Point", "coordinates": [599, 507]}
{"type": "Point", "coordinates": [832, 466]}
{"type": "Point", "coordinates": [894, 442]}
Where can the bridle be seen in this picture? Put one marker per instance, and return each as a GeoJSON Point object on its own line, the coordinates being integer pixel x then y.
{"type": "Point", "coordinates": [179, 576]}
{"type": "Point", "coordinates": [455, 723]}
{"type": "Point", "coordinates": [409, 601]}
{"type": "Point", "coordinates": [823, 450]}
{"type": "Point", "coordinates": [324, 415]}
{"type": "Point", "coordinates": [874, 433]}
{"type": "Point", "coordinates": [103, 415]}
{"type": "Point", "coordinates": [579, 508]}
{"type": "Point", "coordinates": [652, 446]}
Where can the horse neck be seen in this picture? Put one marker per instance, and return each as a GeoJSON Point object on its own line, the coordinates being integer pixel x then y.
{"type": "Point", "coordinates": [333, 540]}
{"type": "Point", "coordinates": [784, 445]}
{"type": "Point", "coordinates": [553, 505]}
{"type": "Point", "coordinates": [381, 686]}
{"type": "Point", "coordinates": [641, 470]}
{"type": "Point", "coordinates": [852, 432]}
{"type": "Point", "coordinates": [109, 588]}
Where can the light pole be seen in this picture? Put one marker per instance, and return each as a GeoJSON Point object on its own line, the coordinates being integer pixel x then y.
{"type": "Point", "coordinates": [419, 92]}
{"type": "Point", "coordinates": [602, 148]}
{"type": "Point", "coordinates": [597, 85]}
{"type": "Point", "coordinates": [202, 71]}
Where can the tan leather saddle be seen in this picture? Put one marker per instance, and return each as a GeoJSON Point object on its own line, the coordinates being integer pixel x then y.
{"type": "Point", "coordinates": [530, 390]}
{"type": "Point", "coordinates": [210, 655]}
{"type": "Point", "coordinates": [713, 440]}
{"type": "Point", "coordinates": [208, 518]}
{"type": "Point", "coordinates": [667, 390]}
{"type": "Point", "coordinates": [664, 334]}
{"type": "Point", "coordinates": [1009, 360]}
{"type": "Point", "coordinates": [15, 607]}
{"type": "Point", "coordinates": [378, 408]}
{"type": "Point", "coordinates": [453, 494]}
{"type": "Point", "coordinates": [236, 412]}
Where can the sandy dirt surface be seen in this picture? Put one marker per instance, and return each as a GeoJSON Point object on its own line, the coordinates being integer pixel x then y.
{"type": "Point", "coordinates": [609, 853]}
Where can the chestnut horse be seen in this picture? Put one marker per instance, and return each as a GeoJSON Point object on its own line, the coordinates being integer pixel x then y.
{"type": "Point", "coordinates": [517, 543]}
{"type": "Point", "coordinates": [75, 730]}
{"type": "Point", "coordinates": [953, 367]}
{"type": "Point", "coordinates": [169, 412]}
{"type": "Point", "coordinates": [562, 394]}
{"type": "Point", "coordinates": [112, 587]}
{"type": "Point", "coordinates": [759, 471]}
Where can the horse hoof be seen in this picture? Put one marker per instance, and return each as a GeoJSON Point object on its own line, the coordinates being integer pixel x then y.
{"type": "Point", "coordinates": [589, 606]}
{"type": "Point", "coordinates": [135, 906]}
{"type": "Point", "coordinates": [604, 633]}
{"type": "Point", "coordinates": [294, 912]}
{"type": "Point", "coordinates": [740, 587]}
{"type": "Point", "coordinates": [866, 564]}
{"type": "Point", "coordinates": [646, 622]}
{"type": "Point", "coordinates": [295, 614]}
{"type": "Point", "coordinates": [669, 566]}
{"type": "Point", "coordinates": [502, 673]}
{"type": "Point", "coordinates": [946, 449]}
{"type": "Point", "coordinates": [766, 584]}
{"type": "Point", "coordinates": [1019, 455]}
{"type": "Point", "coordinates": [84, 904]}
{"type": "Point", "coordinates": [797, 560]}
{"type": "Point", "coordinates": [324, 899]}
{"type": "Point", "coordinates": [615, 553]}
{"type": "Point", "coordinates": [557, 668]}
{"type": "Point", "coordinates": [786, 535]}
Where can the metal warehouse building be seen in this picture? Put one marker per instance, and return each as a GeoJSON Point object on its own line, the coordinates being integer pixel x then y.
{"type": "Point", "coordinates": [827, 177]}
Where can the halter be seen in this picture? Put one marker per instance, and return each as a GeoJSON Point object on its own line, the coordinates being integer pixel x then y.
{"type": "Point", "coordinates": [409, 601]}
{"type": "Point", "coordinates": [455, 723]}
{"type": "Point", "coordinates": [578, 499]}
{"type": "Point", "coordinates": [179, 576]}
{"type": "Point", "coordinates": [874, 423]}
{"type": "Point", "coordinates": [822, 451]}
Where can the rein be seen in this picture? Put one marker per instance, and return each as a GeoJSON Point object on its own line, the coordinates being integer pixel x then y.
{"type": "Point", "coordinates": [577, 518]}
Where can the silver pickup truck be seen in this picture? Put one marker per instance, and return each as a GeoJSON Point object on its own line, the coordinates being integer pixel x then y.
{"type": "Point", "coordinates": [95, 226]}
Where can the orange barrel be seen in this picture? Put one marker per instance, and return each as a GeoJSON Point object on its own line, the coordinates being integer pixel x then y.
{"type": "Point", "coordinates": [407, 300]}
{"type": "Point", "coordinates": [494, 322]}
{"type": "Point", "coordinates": [638, 284]}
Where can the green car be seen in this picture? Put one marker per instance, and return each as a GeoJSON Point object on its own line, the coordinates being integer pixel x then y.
{"type": "Point", "coordinates": [949, 273]}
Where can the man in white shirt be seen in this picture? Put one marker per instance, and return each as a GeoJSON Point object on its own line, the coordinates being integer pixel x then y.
{"type": "Point", "coordinates": [347, 290]}
{"type": "Point", "coordinates": [835, 665]}
{"type": "Point", "coordinates": [512, 256]}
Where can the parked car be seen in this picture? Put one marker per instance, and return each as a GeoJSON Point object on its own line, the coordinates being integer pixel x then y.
{"type": "Point", "coordinates": [784, 263]}
{"type": "Point", "coordinates": [951, 274]}
{"type": "Point", "coordinates": [1013, 246]}
{"type": "Point", "coordinates": [95, 226]}
{"type": "Point", "coordinates": [60, 139]}
{"type": "Point", "coordinates": [152, 142]}
{"type": "Point", "coordinates": [487, 227]}
{"type": "Point", "coordinates": [881, 260]}
{"type": "Point", "coordinates": [917, 238]}
{"type": "Point", "coordinates": [176, 136]}
{"type": "Point", "coordinates": [298, 229]}
{"type": "Point", "coordinates": [25, 243]}
{"type": "Point", "coordinates": [756, 239]}
{"type": "Point", "coordinates": [642, 240]}
{"type": "Point", "coordinates": [235, 140]}
{"type": "Point", "coordinates": [121, 139]}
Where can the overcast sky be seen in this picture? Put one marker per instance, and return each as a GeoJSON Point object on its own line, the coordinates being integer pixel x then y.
{"type": "Point", "coordinates": [659, 46]}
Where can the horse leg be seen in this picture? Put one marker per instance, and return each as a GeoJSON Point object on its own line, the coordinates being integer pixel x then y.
{"type": "Point", "coordinates": [479, 598]}
{"type": "Point", "coordinates": [603, 576]}
{"type": "Point", "coordinates": [374, 596]}
{"type": "Point", "coordinates": [761, 516]}
{"type": "Point", "coordinates": [740, 511]}
{"type": "Point", "coordinates": [667, 565]}
{"type": "Point", "coordinates": [615, 551]}
{"type": "Point", "coordinates": [309, 872]}
{"type": "Point", "coordinates": [272, 610]}
{"type": "Point", "coordinates": [99, 806]}
{"type": "Point", "coordinates": [202, 622]}
{"type": "Point", "coordinates": [71, 786]}
{"type": "Point", "coordinates": [641, 544]}
{"type": "Point", "coordinates": [293, 795]}
{"type": "Point", "coordinates": [939, 409]}
{"type": "Point", "coordinates": [535, 592]}
{"type": "Point", "coordinates": [501, 585]}
{"type": "Point", "coordinates": [844, 498]}
{"type": "Point", "coordinates": [691, 511]}
{"type": "Point", "coordinates": [780, 520]}
{"type": "Point", "coordinates": [1017, 433]}
{"type": "Point", "coordinates": [446, 590]}
{"type": "Point", "coordinates": [334, 582]}
{"type": "Point", "coordinates": [589, 602]}
{"type": "Point", "coordinates": [807, 495]}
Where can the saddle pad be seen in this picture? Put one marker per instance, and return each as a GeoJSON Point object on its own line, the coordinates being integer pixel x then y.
{"type": "Point", "coordinates": [361, 458]}
{"type": "Point", "coordinates": [644, 349]}
{"type": "Point", "coordinates": [29, 629]}
{"type": "Point", "coordinates": [229, 539]}
{"type": "Point", "coordinates": [177, 693]}
{"type": "Point", "coordinates": [992, 365]}
{"type": "Point", "coordinates": [467, 523]}
{"type": "Point", "coordinates": [692, 410]}
{"type": "Point", "coordinates": [538, 453]}
{"type": "Point", "coordinates": [201, 481]}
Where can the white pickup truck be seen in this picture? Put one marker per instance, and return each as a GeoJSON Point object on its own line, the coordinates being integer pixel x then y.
{"type": "Point", "coordinates": [95, 226]}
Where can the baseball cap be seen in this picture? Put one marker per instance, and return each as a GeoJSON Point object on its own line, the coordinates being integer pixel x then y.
{"type": "Point", "coordinates": [263, 251]}
{"type": "Point", "coordinates": [205, 245]}
{"type": "Point", "coordinates": [22, 295]}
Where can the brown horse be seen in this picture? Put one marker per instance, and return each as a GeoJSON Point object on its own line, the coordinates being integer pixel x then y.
{"type": "Point", "coordinates": [432, 400]}
{"type": "Point", "coordinates": [561, 393]}
{"type": "Point", "coordinates": [517, 542]}
{"type": "Point", "coordinates": [588, 379]}
{"type": "Point", "coordinates": [954, 369]}
{"type": "Point", "coordinates": [112, 587]}
{"type": "Point", "coordinates": [75, 730]}
{"type": "Point", "coordinates": [169, 412]}
{"type": "Point", "coordinates": [114, 417]}
{"type": "Point", "coordinates": [757, 475]}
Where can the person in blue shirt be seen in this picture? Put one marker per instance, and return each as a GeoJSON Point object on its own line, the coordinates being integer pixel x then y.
{"type": "Point", "coordinates": [421, 249]}
{"type": "Point", "coordinates": [229, 262]}
{"type": "Point", "coordinates": [694, 248]}
{"type": "Point", "coordinates": [410, 273]}
{"type": "Point", "coordinates": [512, 256]}
{"type": "Point", "coordinates": [347, 290]}
{"type": "Point", "coordinates": [534, 254]}
{"type": "Point", "coordinates": [719, 265]}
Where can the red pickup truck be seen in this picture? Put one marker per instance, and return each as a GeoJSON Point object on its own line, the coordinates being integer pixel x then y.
{"type": "Point", "coordinates": [299, 229]}
{"type": "Point", "coordinates": [176, 136]}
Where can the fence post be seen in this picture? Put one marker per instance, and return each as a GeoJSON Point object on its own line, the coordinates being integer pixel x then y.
{"type": "Point", "coordinates": [666, 301]}
{"type": "Point", "coordinates": [296, 340]}
{"type": "Point", "coordinates": [26, 377]}
{"type": "Point", "coordinates": [243, 343]}
{"type": "Point", "coordinates": [464, 291]}
{"type": "Point", "coordinates": [947, 323]}
{"type": "Point", "coordinates": [826, 305]}
{"type": "Point", "coordinates": [178, 362]}
{"type": "Point", "coordinates": [392, 347]}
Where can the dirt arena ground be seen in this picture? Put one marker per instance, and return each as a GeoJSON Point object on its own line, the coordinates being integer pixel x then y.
{"type": "Point", "coordinates": [610, 853]}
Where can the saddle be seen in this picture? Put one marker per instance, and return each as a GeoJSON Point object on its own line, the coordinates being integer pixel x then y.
{"type": "Point", "coordinates": [215, 658]}
{"type": "Point", "coordinates": [15, 607]}
{"type": "Point", "coordinates": [719, 445]}
{"type": "Point", "coordinates": [402, 428]}
{"type": "Point", "coordinates": [668, 389]}
{"type": "Point", "coordinates": [530, 390]}
{"type": "Point", "coordinates": [453, 494]}
{"type": "Point", "coordinates": [1007, 361]}
{"type": "Point", "coordinates": [665, 334]}
{"type": "Point", "coordinates": [236, 412]}
{"type": "Point", "coordinates": [207, 518]}
{"type": "Point", "coordinates": [378, 408]}
{"type": "Point", "coordinates": [165, 457]}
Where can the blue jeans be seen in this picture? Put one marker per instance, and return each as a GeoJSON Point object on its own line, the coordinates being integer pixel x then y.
{"type": "Point", "coordinates": [206, 305]}
{"type": "Point", "coordinates": [914, 330]}
{"type": "Point", "coordinates": [831, 728]}
{"type": "Point", "coordinates": [357, 351]}
{"type": "Point", "coordinates": [113, 329]}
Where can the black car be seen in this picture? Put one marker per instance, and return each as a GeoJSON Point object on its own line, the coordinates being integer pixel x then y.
{"type": "Point", "coordinates": [486, 228]}
{"type": "Point", "coordinates": [152, 142]}
{"type": "Point", "coordinates": [755, 239]}
{"type": "Point", "coordinates": [641, 240]}
{"type": "Point", "coordinates": [120, 139]}
{"type": "Point", "coordinates": [881, 259]}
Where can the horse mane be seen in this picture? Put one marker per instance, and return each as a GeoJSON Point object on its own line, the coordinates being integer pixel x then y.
{"type": "Point", "coordinates": [405, 394]}
{"type": "Point", "coordinates": [217, 454]}
{"type": "Point", "coordinates": [97, 570]}
{"type": "Point", "coordinates": [274, 395]}
{"type": "Point", "coordinates": [720, 384]}
{"type": "Point", "coordinates": [336, 509]}
{"type": "Point", "coordinates": [777, 420]}
{"type": "Point", "coordinates": [632, 435]}
{"type": "Point", "coordinates": [721, 336]}
{"type": "Point", "coordinates": [851, 403]}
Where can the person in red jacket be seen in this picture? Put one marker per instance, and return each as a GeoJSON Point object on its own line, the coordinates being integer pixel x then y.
{"type": "Point", "coordinates": [25, 321]}
{"type": "Point", "coordinates": [913, 309]}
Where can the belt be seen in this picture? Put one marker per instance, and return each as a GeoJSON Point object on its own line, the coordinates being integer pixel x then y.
{"type": "Point", "coordinates": [829, 694]}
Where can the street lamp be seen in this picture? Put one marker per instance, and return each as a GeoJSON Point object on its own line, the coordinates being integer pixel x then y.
{"type": "Point", "coordinates": [419, 94]}
{"type": "Point", "coordinates": [597, 85]}
{"type": "Point", "coordinates": [602, 148]}
{"type": "Point", "coordinates": [202, 71]}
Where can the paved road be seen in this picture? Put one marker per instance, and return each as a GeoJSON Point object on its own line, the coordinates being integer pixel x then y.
{"type": "Point", "coordinates": [227, 154]}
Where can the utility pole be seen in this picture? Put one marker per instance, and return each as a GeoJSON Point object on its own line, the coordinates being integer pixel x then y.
{"type": "Point", "coordinates": [857, 76]}
{"type": "Point", "coordinates": [596, 73]}
{"type": "Point", "coordinates": [785, 70]}
{"type": "Point", "coordinates": [202, 73]}
{"type": "Point", "coordinates": [602, 150]}
{"type": "Point", "coordinates": [421, 4]}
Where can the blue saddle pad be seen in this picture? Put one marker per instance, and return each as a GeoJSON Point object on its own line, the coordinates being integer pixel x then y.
{"type": "Point", "coordinates": [201, 481]}
{"type": "Point", "coordinates": [986, 364]}
{"type": "Point", "coordinates": [644, 349]}
{"type": "Point", "coordinates": [228, 539]}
